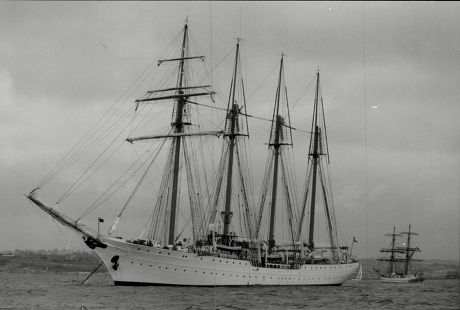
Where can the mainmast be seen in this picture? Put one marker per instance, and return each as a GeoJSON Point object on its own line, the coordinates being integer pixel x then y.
{"type": "Point", "coordinates": [275, 143]}
{"type": "Point", "coordinates": [315, 159]}
{"type": "Point", "coordinates": [232, 130]}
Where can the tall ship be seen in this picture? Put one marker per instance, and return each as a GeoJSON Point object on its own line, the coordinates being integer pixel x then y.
{"type": "Point", "coordinates": [204, 226]}
{"type": "Point", "coordinates": [396, 267]}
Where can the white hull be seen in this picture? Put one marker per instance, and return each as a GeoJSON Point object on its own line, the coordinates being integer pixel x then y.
{"type": "Point", "coordinates": [144, 265]}
{"type": "Point", "coordinates": [405, 279]}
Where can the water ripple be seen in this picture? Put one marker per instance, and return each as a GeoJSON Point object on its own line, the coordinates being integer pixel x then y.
{"type": "Point", "coordinates": [58, 291]}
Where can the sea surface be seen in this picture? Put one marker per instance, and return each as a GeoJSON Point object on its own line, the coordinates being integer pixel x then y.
{"type": "Point", "coordinates": [65, 291]}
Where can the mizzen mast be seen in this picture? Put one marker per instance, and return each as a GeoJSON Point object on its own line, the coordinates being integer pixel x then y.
{"type": "Point", "coordinates": [277, 139]}
{"type": "Point", "coordinates": [277, 168]}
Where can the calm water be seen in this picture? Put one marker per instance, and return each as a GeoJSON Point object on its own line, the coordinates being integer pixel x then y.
{"type": "Point", "coordinates": [60, 291]}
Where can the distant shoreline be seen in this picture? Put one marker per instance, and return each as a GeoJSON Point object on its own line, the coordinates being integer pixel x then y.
{"type": "Point", "coordinates": [50, 261]}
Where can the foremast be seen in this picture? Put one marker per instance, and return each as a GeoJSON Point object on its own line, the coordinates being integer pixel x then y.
{"type": "Point", "coordinates": [179, 121]}
{"type": "Point", "coordinates": [178, 125]}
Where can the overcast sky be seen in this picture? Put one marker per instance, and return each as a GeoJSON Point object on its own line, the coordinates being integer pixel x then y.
{"type": "Point", "coordinates": [391, 89]}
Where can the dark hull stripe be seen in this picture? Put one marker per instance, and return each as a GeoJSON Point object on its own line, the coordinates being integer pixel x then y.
{"type": "Point", "coordinates": [128, 283]}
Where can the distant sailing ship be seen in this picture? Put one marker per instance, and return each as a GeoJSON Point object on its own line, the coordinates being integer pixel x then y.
{"type": "Point", "coordinates": [243, 250]}
{"type": "Point", "coordinates": [396, 267]}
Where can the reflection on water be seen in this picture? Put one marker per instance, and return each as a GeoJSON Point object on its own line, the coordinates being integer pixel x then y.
{"type": "Point", "coordinates": [63, 291]}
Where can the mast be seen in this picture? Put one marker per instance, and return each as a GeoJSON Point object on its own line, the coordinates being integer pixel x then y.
{"type": "Point", "coordinates": [315, 155]}
{"type": "Point", "coordinates": [232, 117]}
{"type": "Point", "coordinates": [275, 145]}
{"type": "Point", "coordinates": [409, 251]}
{"type": "Point", "coordinates": [178, 128]}
{"type": "Point", "coordinates": [180, 119]}
{"type": "Point", "coordinates": [277, 170]}
{"type": "Point", "coordinates": [392, 258]}
{"type": "Point", "coordinates": [406, 266]}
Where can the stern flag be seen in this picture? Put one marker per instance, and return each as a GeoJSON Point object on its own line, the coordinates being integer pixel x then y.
{"type": "Point", "coordinates": [101, 220]}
